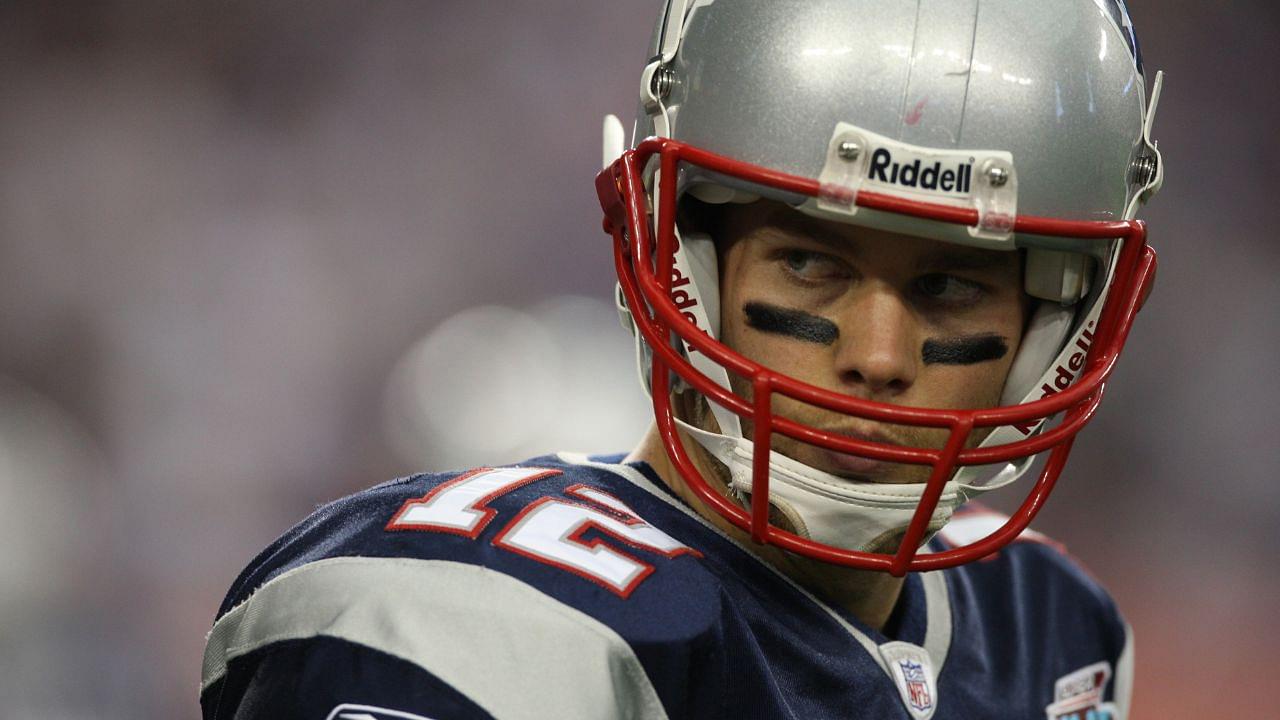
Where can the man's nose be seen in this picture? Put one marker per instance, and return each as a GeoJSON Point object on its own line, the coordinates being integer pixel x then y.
{"type": "Point", "coordinates": [878, 353]}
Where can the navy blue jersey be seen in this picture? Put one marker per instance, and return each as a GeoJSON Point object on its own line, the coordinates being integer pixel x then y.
{"type": "Point", "coordinates": [567, 588]}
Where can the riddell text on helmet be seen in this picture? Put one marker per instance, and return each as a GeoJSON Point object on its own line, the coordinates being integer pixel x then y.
{"type": "Point", "coordinates": [1064, 374]}
{"type": "Point", "coordinates": [913, 174]}
{"type": "Point", "coordinates": [684, 302]}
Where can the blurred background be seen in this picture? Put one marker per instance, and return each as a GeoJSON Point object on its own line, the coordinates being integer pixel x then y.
{"type": "Point", "coordinates": [258, 255]}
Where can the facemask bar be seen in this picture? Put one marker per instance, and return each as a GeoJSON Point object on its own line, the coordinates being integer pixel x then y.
{"type": "Point", "coordinates": [645, 278]}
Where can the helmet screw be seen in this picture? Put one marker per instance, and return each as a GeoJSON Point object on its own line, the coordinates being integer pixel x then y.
{"type": "Point", "coordinates": [661, 82]}
{"type": "Point", "coordinates": [849, 150]}
{"type": "Point", "coordinates": [1143, 170]}
{"type": "Point", "coordinates": [997, 176]}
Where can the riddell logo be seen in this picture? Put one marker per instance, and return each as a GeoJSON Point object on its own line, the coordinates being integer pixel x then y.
{"type": "Point", "coordinates": [1064, 374]}
{"type": "Point", "coordinates": [684, 301]}
{"type": "Point", "coordinates": [934, 176]}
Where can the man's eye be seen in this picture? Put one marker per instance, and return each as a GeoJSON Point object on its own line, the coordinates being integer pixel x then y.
{"type": "Point", "coordinates": [813, 266]}
{"type": "Point", "coordinates": [948, 289]}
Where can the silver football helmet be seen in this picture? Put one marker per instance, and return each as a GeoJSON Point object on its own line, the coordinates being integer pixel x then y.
{"type": "Point", "coordinates": [1015, 125]}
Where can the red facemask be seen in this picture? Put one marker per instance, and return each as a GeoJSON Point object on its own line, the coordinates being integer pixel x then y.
{"type": "Point", "coordinates": [645, 277]}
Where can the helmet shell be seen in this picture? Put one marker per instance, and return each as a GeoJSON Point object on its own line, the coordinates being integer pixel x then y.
{"type": "Point", "coordinates": [1056, 84]}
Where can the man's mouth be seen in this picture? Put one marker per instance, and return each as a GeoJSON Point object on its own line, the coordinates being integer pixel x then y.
{"type": "Point", "coordinates": [854, 467]}
{"type": "Point", "coordinates": [858, 467]}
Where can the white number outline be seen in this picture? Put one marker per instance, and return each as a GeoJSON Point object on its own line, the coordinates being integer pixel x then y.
{"type": "Point", "coordinates": [481, 504]}
{"type": "Point", "coordinates": [608, 505]}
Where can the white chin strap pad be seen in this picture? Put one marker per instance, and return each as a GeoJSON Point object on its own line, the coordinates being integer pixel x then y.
{"type": "Point", "coordinates": [849, 514]}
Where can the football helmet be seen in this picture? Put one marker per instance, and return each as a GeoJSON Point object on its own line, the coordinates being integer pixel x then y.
{"type": "Point", "coordinates": [1006, 124]}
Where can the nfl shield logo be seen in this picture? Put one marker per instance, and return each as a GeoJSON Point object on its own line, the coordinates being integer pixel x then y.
{"type": "Point", "coordinates": [917, 688]}
{"type": "Point", "coordinates": [911, 669]}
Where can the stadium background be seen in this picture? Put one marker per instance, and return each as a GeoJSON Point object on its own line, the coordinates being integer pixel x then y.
{"type": "Point", "coordinates": [253, 255]}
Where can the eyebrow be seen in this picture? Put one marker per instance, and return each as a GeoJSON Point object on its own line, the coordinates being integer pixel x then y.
{"type": "Point", "coordinates": [784, 224]}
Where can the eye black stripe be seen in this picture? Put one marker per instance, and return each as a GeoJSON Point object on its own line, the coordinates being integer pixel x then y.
{"type": "Point", "coordinates": [966, 350]}
{"type": "Point", "coordinates": [791, 323]}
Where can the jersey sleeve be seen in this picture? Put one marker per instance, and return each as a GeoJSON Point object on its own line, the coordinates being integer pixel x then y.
{"type": "Point", "coordinates": [331, 679]}
{"type": "Point", "coordinates": [429, 638]}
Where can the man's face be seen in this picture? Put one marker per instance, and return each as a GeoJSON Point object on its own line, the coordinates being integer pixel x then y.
{"type": "Point", "coordinates": [871, 314]}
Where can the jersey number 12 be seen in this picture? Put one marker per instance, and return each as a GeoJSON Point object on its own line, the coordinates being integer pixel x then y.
{"type": "Point", "coordinates": [550, 529]}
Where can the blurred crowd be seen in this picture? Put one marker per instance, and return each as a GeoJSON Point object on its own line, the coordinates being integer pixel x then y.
{"type": "Point", "coordinates": [256, 256]}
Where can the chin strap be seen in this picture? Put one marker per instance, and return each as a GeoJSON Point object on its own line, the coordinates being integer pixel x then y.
{"type": "Point", "coordinates": [849, 514]}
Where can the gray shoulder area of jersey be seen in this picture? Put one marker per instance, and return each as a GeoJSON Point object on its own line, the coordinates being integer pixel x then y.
{"type": "Point", "coordinates": [481, 624]}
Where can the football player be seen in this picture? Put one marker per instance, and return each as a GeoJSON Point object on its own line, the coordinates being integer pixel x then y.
{"type": "Point", "coordinates": [879, 258]}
